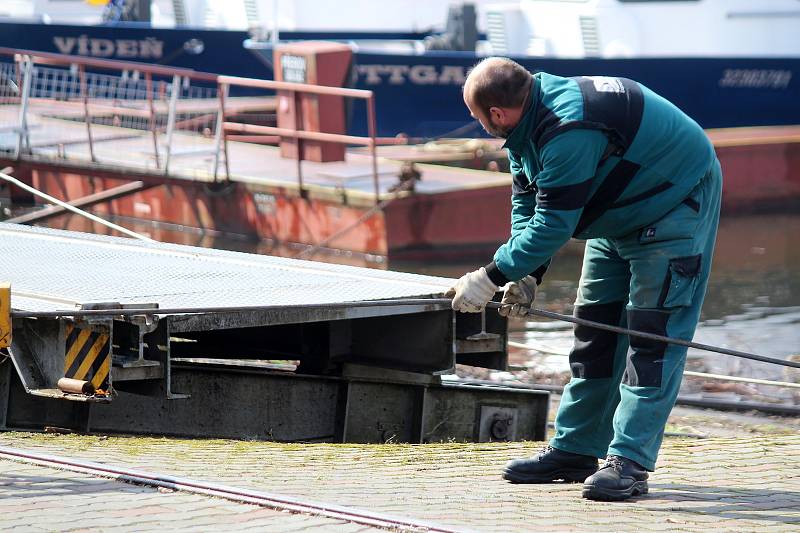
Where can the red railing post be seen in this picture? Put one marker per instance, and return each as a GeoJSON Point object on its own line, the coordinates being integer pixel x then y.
{"type": "Point", "coordinates": [373, 149]}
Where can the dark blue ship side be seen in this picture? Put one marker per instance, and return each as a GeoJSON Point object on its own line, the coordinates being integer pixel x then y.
{"type": "Point", "coordinates": [218, 51]}
{"type": "Point", "coordinates": [420, 94]}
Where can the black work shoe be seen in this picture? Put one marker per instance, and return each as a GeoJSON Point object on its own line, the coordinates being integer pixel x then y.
{"type": "Point", "coordinates": [618, 479]}
{"type": "Point", "coordinates": [550, 465]}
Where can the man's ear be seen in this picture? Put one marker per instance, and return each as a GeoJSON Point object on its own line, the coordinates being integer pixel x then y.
{"type": "Point", "coordinates": [497, 114]}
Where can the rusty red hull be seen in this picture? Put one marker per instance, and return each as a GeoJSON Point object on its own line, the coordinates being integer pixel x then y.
{"type": "Point", "coordinates": [760, 178]}
{"type": "Point", "coordinates": [761, 174]}
{"type": "Point", "coordinates": [274, 214]}
{"type": "Point", "coordinates": [455, 224]}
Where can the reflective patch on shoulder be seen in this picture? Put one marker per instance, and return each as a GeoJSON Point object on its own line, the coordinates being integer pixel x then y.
{"type": "Point", "coordinates": [607, 84]}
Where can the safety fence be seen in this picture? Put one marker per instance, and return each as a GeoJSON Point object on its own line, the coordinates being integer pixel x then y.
{"type": "Point", "coordinates": [152, 118]}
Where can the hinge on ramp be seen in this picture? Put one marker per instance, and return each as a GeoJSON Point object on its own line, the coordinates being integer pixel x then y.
{"type": "Point", "coordinates": [88, 352]}
{"type": "Point", "coordinates": [46, 350]}
{"type": "Point", "coordinates": [71, 358]}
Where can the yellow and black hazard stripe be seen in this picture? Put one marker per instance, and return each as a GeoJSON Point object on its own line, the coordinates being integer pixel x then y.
{"type": "Point", "coordinates": [88, 356]}
{"type": "Point", "coordinates": [5, 315]}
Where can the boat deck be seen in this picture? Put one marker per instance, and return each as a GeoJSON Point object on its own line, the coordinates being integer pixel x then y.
{"type": "Point", "coordinates": [61, 138]}
{"type": "Point", "coordinates": [56, 134]}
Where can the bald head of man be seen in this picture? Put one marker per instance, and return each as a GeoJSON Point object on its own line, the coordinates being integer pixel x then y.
{"type": "Point", "coordinates": [495, 92]}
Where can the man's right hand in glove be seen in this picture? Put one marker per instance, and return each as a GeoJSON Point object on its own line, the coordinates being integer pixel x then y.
{"type": "Point", "coordinates": [518, 297]}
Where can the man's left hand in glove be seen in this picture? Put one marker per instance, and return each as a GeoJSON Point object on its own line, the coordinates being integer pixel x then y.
{"type": "Point", "coordinates": [472, 291]}
{"type": "Point", "coordinates": [518, 297]}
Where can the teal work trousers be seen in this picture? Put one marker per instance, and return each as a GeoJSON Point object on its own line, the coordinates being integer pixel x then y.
{"type": "Point", "coordinates": [654, 280]}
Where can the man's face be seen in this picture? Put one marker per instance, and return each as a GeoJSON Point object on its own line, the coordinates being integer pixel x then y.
{"type": "Point", "coordinates": [489, 125]}
{"type": "Point", "coordinates": [497, 130]}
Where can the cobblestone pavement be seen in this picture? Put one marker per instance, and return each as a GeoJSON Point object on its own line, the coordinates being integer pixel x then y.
{"type": "Point", "coordinates": [726, 484]}
{"type": "Point", "coordinates": [35, 498]}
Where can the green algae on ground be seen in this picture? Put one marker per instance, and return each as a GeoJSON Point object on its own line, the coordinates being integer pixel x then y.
{"type": "Point", "coordinates": [682, 421]}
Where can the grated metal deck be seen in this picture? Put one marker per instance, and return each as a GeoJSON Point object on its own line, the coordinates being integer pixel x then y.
{"type": "Point", "coordinates": [54, 270]}
{"type": "Point", "coordinates": [202, 363]}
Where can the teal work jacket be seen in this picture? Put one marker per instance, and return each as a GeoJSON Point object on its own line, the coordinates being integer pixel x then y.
{"type": "Point", "coordinates": [593, 157]}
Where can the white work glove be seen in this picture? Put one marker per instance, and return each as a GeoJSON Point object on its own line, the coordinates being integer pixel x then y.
{"type": "Point", "coordinates": [518, 297]}
{"type": "Point", "coordinates": [472, 291]}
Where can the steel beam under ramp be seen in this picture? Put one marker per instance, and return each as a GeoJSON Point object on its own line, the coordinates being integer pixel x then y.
{"type": "Point", "coordinates": [178, 340]}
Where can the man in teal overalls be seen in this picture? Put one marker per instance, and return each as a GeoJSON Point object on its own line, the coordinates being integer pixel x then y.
{"type": "Point", "coordinates": [607, 160]}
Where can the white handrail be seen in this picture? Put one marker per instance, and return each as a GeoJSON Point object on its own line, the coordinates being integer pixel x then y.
{"type": "Point", "coordinates": [72, 208]}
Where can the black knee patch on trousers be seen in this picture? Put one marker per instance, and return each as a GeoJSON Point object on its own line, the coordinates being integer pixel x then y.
{"type": "Point", "coordinates": [646, 357]}
{"type": "Point", "coordinates": [592, 355]}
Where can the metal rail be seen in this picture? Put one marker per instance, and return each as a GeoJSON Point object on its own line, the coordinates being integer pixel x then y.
{"type": "Point", "coordinates": [50, 58]}
{"type": "Point", "coordinates": [236, 494]}
{"type": "Point", "coordinates": [433, 303]}
{"type": "Point", "coordinates": [295, 87]}
{"type": "Point", "coordinates": [305, 135]}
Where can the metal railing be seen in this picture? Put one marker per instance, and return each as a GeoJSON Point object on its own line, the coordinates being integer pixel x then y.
{"type": "Point", "coordinates": [112, 101]}
{"type": "Point", "coordinates": [101, 111]}
{"type": "Point", "coordinates": [225, 82]}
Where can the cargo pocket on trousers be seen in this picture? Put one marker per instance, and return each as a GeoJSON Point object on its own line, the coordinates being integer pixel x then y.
{"type": "Point", "coordinates": [680, 281]}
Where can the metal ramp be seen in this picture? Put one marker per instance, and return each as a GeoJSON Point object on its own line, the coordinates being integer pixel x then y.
{"type": "Point", "coordinates": [192, 341]}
